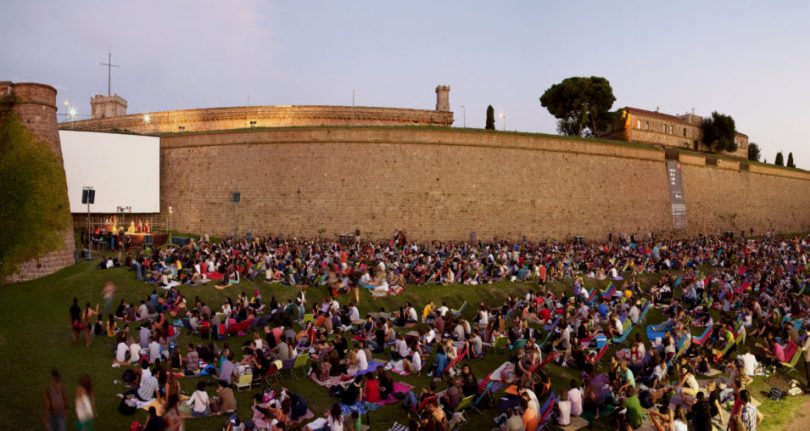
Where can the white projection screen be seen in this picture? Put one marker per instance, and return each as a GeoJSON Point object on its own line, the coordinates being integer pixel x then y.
{"type": "Point", "coordinates": [123, 169]}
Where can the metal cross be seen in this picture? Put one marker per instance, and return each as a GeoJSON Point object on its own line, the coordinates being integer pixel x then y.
{"type": "Point", "coordinates": [109, 72]}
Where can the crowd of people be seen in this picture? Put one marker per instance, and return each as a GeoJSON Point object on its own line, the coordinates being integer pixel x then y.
{"type": "Point", "coordinates": [691, 369]}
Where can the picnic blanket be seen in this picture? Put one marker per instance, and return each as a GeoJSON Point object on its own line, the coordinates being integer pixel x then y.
{"type": "Point", "coordinates": [360, 408]}
{"type": "Point", "coordinates": [152, 403]}
{"type": "Point", "coordinates": [372, 367]}
{"type": "Point", "coordinates": [399, 388]}
{"type": "Point", "coordinates": [505, 373]}
{"type": "Point", "coordinates": [332, 381]}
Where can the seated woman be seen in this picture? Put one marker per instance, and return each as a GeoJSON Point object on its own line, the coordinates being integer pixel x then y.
{"type": "Point", "coordinates": [411, 364]}
{"type": "Point", "coordinates": [121, 354]}
{"type": "Point", "coordinates": [199, 402]}
{"type": "Point", "coordinates": [688, 384]}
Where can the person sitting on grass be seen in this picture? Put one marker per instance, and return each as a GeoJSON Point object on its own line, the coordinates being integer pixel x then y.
{"type": "Point", "coordinates": [224, 402]}
{"type": "Point", "coordinates": [199, 402]}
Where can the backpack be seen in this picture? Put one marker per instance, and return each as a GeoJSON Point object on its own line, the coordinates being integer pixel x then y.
{"type": "Point", "coordinates": [775, 394]}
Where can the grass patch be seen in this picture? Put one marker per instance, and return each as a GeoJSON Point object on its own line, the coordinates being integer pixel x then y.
{"type": "Point", "coordinates": [35, 337]}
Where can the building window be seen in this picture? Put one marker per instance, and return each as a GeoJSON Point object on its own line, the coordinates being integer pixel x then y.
{"type": "Point", "coordinates": [684, 132]}
{"type": "Point", "coordinates": [638, 124]}
{"type": "Point", "coordinates": [646, 125]}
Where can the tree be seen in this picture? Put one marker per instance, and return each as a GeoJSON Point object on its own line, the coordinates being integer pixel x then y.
{"type": "Point", "coordinates": [581, 105]}
{"type": "Point", "coordinates": [718, 132]}
{"type": "Point", "coordinates": [790, 163]}
{"type": "Point", "coordinates": [779, 159]}
{"type": "Point", "coordinates": [753, 152]}
{"type": "Point", "coordinates": [490, 118]}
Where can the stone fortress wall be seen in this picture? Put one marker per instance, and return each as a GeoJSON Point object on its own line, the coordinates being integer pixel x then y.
{"type": "Point", "coordinates": [243, 117]}
{"type": "Point", "coordinates": [326, 171]}
{"type": "Point", "coordinates": [448, 183]}
{"type": "Point", "coordinates": [35, 106]}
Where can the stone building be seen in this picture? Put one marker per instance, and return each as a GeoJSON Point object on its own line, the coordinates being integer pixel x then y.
{"type": "Point", "coordinates": [656, 128]}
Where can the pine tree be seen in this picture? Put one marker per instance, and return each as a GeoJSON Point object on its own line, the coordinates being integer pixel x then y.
{"type": "Point", "coordinates": [780, 159]}
{"type": "Point", "coordinates": [490, 118]}
{"type": "Point", "coordinates": [790, 163]}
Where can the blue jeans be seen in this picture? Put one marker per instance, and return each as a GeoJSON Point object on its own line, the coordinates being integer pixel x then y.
{"type": "Point", "coordinates": [138, 271]}
{"type": "Point", "coordinates": [56, 422]}
{"type": "Point", "coordinates": [410, 401]}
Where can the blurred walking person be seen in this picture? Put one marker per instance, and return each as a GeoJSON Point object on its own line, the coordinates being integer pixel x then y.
{"type": "Point", "coordinates": [56, 403]}
{"type": "Point", "coordinates": [85, 404]}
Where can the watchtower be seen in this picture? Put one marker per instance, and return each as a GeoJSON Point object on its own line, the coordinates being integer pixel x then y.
{"type": "Point", "coordinates": [108, 106]}
{"type": "Point", "coordinates": [443, 98]}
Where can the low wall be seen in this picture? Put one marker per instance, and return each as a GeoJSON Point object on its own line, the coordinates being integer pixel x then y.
{"type": "Point", "coordinates": [446, 183]}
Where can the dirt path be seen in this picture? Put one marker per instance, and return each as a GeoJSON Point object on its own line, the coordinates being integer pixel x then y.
{"type": "Point", "coordinates": [801, 419]}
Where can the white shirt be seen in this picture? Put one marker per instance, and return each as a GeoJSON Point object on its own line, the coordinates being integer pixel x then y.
{"type": "Point", "coordinates": [411, 314]}
{"type": "Point", "coordinates": [354, 313]}
{"type": "Point", "coordinates": [362, 361]}
{"type": "Point", "coordinates": [443, 310]}
{"type": "Point", "coordinates": [199, 401]}
{"type": "Point", "coordinates": [749, 363]}
{"type": "Point", "coordinates": [134, 352]}
{"type": "Point", "coordinates": [401, 347]}
{"type": "Point", "coordinates": [430, 336]}
{"type": "Point", "coordinates": [575, 398]}
{"type": "Point", "coordinates": [333, 425]}
{"type": "Point", "coordinates": [483, 318]}
{"type": "Point", "coordinates": [416, 361]}
{"type": "Point", "coordinates": [154, 351]}
{"type": "Point", "coordinates": [564, 418]}
{"type": "Point", "coordinates": [121, 352]}
{"type": "Point", "coordinates": [619, 326]}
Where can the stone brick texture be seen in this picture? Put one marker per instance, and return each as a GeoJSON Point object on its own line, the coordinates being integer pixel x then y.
{"type": "Point", "coordinates": [446, 183]}
{"type": "Point", "coordinates": [36, 108]}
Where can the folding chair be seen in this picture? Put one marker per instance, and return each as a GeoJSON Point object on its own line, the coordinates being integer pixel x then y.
{"type": "Point", "coordinates": [244, 381]}
{"type": "Point", "coordinates": [463, 405]}
{"type": "Point", "coordinates": [301, 362]}
{"type": "Point", "coordinates": [791, 366]}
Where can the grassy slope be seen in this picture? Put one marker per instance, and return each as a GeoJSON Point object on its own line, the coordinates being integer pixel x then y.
{"type": "Point", "coordinates": [35, 336]}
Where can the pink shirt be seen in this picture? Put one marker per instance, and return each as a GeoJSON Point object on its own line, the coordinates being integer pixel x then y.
{"type": "Point", "coordinates": [779, 352]}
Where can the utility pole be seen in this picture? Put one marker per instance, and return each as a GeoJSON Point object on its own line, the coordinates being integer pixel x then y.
{"type": "Point", "coordinates": [353, 91]}
{"type": "Point", "coordinates": [109, 72]}
{"type": "Point", "coordinates": [464, 110]}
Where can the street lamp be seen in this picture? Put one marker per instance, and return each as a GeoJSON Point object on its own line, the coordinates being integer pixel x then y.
{"type": "Point", "coordinates": [72, 113]}
{"type": "Point", "coordinates": [465, 115]}
{"type": "Point", "coordinates": [503, 120]}
{"type": "Point", "coordinates": [67, 106]}
{"type": "Point", "coordinates": [147, 118]}
{"type": "Point", "coordinates": [169, 225]}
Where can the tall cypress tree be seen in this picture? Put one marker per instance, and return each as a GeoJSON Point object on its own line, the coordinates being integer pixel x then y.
{"type": "Point", "coordinates": [790, 163]}
{"type": "Point", "coordinates": [490, 118]}
{"type": "Point", "coordinates": [780, 159]}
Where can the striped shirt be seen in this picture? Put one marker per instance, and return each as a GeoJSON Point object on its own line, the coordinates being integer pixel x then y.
{"type": "Point", "coordinates": [148, 387]}
{"type": "Point", "coordinates": [226, 371]}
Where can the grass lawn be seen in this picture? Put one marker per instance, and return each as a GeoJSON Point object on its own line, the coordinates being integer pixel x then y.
{"type": "Point", "coordinates": [35, 337]}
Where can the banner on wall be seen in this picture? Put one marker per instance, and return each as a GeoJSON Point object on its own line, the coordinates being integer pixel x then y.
{"type": "Point", "coordinates": [676, 199]}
